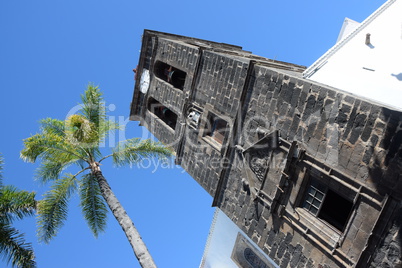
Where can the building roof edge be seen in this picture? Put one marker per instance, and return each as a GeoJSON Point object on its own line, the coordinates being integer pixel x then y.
{"type": "Point", "coordinates": [211, 230]}
{"type": "Point", "coordinates": [322, 60]}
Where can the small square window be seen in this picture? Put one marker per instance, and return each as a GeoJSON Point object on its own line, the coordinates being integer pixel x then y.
{"type": "Point", "coordinates": [214, 130]}
{"type": "Point", "coordinates": [217, 128]}
{"type": "Point", "coordinates": [314, 198]}
{"type": "Point", "coordinates": [327, 205]}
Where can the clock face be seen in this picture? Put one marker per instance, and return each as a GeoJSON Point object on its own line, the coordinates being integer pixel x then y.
{"type": "Point", "coordinates": [144, 82]}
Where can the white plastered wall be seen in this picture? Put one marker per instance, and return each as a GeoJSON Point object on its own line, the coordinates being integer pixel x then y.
{"type": "Point", "coordinates": [371, 70]}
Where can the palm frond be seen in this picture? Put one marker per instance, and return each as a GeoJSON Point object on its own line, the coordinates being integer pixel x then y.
{"type": "Point", "coordinates": [107, 128]}
{"type": "Point", "coordinates": [134, 150]}
{"type": "Point", "coordinates": [93, 106]}
{"type": "Point", "coordinates": [50, 170]}
{"type": "Point", "coordinates": [15, 204]}
{"type": "Point", "coordinates": [49, 147]}
{"type": "Point", "coordinates": [52, 126]}
{"type": "Point", "coordinates": [94, 110]}
{"type": "Point", "coordinates": [81, 163]}
{"type": "Point", "coordinates": [92, 204]}
{"type": "Point", "coordinates": [52, 210]}
{"type": "Point", "coordinates": [14, 249]}
{"type": "Point", "coordinates": [96, 153]}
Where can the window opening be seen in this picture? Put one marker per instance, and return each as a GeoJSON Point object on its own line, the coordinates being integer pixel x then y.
{"type": "Point", "coordinates": [327, 205]}
{"type": "Point", "coordinates": [170, 74]}
{"type": "Point", "coordinates": [335, 210]}
{"type": "Point", "coordinates": [218, 128]}
{"type": "Point", "coordinates": [164, 113]}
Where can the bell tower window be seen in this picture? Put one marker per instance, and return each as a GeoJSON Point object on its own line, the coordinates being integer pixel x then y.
{"type": "Point", "coordinates": [170, 74]}
{"type": "Point", "coordinates": [162, 112]}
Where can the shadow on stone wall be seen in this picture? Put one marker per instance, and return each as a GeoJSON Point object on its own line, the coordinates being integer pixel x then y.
{"type": "Point", "coordinates": [302, 111]}
{"type": "Point", "coordinates": [385, 172]}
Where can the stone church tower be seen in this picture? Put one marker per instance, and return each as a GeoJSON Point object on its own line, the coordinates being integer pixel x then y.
{"type": "Point", "coordinates": [312, 174]}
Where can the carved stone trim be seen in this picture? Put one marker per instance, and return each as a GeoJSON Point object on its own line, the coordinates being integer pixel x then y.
{"type": "Point", "coordinates": [245, 255]}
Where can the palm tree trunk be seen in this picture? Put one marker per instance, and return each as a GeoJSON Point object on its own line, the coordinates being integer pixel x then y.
{"type": "Point", "coordinates": [133, 236]}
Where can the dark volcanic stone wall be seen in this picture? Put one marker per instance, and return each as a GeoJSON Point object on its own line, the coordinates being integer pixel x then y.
{"type": "Point", "coordinates": [358, 139]}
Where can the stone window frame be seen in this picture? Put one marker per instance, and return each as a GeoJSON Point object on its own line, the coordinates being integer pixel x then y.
{"type": "Point", "coordinates": [311, 175]}
{"type": "Point", "coordinates": [303, 168]}
{"type": "Point", "coordinates": [218, 128]}
{"type": "Point", "coordinates": [157, 72]}
{"type": "Point", "coordinates": [317, 186]}
{"type": "Point", "coordinates": [157, 116]}
{"type": "Point", "coordinates": [204, 132]}
{"type": "Point", "coordinates": [315, 229]}
{"type": "Point", "coordinates": [245, 253]}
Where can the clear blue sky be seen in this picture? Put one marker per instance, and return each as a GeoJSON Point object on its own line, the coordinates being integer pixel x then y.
{"type": "Point", "coordinates": [50, 50]}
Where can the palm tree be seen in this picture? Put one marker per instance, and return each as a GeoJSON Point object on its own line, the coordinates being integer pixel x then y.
{"type": "Point", "coordinates": [76, 142]}
{"type": "Point", "coordinates": [15, 204]}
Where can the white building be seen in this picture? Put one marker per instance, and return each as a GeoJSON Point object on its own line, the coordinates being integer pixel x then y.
{"type": "Point", "coordinates": [367, 59]}
{"type": "Point", "coordinates": [227, 247]}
